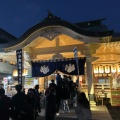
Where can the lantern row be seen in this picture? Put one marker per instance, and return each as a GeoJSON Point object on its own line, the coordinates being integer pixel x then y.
{"type": "Point", "coordinates": [106, 68]}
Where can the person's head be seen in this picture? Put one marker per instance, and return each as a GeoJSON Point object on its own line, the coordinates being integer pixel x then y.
{"type": "Point", "coordinates": [18, 88]}
{"type": "Point", "coordinates": [81, 96]}
{"type": "Point", "coordinates": [58, 74]}
{"type": "Point", "coordinates": [52, 81]}
{"type": "Point", "coordinates": [2, 91]}
{"type": "Point", "coordinates": [65, 76]}
{"type": "Point", "coordinates": [30, 91]}
{"type": "Point", "coordinates": [37, 86]}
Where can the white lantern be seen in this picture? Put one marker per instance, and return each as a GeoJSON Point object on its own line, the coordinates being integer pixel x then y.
{"type": "Point", "coordinates": [95, 69]}
{"type": "Point", "coordinates": [107, 69]}
{"type": "Point", "coordinates": [101, 69]}
{"type": "Point", "coordinates": [119, 68]}
{"type": "Point", "coordinates": [113, 68]}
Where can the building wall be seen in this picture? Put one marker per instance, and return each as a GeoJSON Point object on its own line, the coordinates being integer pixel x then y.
{"type": "Point", "coordinates": [6, 67]}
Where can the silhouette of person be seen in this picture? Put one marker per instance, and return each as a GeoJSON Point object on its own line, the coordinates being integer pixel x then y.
{"type": "Point", "coordinates": [83, 107]}
{"type": "Point", "coordinates": [17, 101]}
{"type": "Point", "coordinates": [50, 105]}
{"type": "Point", "coordinates": [5, 104]}
{"type": "Point", "coordinates": [58, 97]}
{"type": "Point", "coordinates": [38, 97]}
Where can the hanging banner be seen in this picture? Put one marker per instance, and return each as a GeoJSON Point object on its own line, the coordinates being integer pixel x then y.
{"type": "Point", "coordinates": [67, 66]}
{"type": "Point", "coordinates": [76, 58]}
{"type": "Point", "coordinates": [75, 55]}
{"type": "Point", "coordinates": [19, 65]}
{"type": "Point", "coordinates": [41, 69]}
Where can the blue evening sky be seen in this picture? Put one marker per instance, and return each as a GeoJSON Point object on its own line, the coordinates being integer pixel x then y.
{"type": "Point", "coordinates": [17, 16]}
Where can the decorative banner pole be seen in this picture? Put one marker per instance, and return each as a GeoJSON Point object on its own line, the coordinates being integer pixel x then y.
{"type": "Point", "coordinates": [19, 65]}
{"type": "Point", "coordinates": [76, 58]}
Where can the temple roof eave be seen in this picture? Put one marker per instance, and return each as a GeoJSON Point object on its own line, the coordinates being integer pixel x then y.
{"type": "Point", "coordinates": [61, 23]}
{"type": "Point", "coordinates": [66, 24]}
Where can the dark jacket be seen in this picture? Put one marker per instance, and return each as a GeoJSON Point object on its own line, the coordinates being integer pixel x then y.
{"type": "Point", "coordinates": [38, 98]}
{"type": "Point", "coordinates": [50, 105]}
{"type": "Point", "coordinates": [58, 79]}
{"type": "Point", "coordinates": [65, 93]}
{"type": "Point", "coordinates": [17, 101]}
{"type": "Point", "coordinates": [58, 93]}
{"type": "Point", "coordinates": [5, 104]}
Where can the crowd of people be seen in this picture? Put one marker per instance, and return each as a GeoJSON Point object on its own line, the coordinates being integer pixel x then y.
{"type": "Point", "coordinates": [64, 90]}
{"type": "Point", "coordinates": [21, 106]}
{"type": "Point", "coordinates": [27, 106]}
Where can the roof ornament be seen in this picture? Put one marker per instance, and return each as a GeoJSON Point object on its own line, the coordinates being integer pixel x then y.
{"type": "Point", "coordinates": [57, 56]}
{"type": "Point", "coordinates": [50, 16]}
{"type": "Point", "coordinates": [50, 33]}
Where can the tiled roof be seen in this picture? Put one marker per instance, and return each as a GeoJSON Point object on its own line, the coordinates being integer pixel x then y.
{"type": "Point", "coordinates": [6, 37]}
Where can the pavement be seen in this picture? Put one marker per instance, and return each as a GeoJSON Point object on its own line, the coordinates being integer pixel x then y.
{"type": "Point", "coordinates": [98, 113]}
{"type": "Point", "coordinates": [114, 111]}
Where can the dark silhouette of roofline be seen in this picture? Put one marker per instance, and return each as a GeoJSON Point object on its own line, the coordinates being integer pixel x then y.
{"type": "Point", "coordinates": [52, 20]}
{"type": "Point", "coordinates": [66, 24]}
{"type": "Point", "coordinates": [8, 34]}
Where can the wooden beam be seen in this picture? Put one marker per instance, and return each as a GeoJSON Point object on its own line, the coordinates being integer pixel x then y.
{"type": "Point", "coordinates": [58, 49]}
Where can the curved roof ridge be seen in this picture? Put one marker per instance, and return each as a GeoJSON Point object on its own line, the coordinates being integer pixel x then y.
{"type": "Point", "coordinates": [65, 24]}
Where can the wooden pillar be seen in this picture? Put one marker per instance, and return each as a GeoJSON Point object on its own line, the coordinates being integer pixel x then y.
{"type": "Point", "coordinates": [90, 81]}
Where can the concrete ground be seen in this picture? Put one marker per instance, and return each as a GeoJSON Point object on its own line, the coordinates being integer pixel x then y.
{"type": "Point", "coordinates": [98, 113]}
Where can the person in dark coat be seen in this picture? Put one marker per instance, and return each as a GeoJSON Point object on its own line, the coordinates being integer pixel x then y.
{"type": "Point", "coordinates": [31, 106]}
{"type": "Point", "coordinates": [50, 105]}
{"type": "Point", "coordinates": [83, 110]}
{"type": "Point", "coordinates": [38, 96]}
{"type": "Point", "coordinates": [58, 78]}
{"type": "Point", "coordinates": [58, 97]}
{"type": "Point", "coordinates": [5, 104]}
{"type": "Point", "coordinates": [52, 84]}
{"type": "Point", "coordinates": [17, 101]}
{"type": "Point", "coordinates": [65, 97]}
